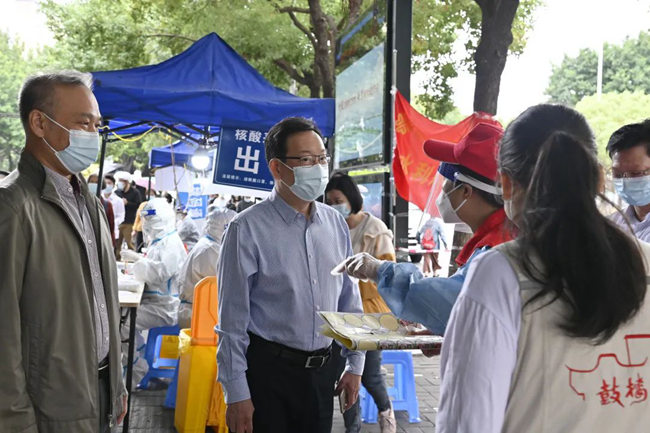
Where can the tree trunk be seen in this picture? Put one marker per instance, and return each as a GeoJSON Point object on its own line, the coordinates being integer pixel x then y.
{"type": "Point", "coordinates": [492, 51]}
{"type": "Point", "coordinates": [324, 46]}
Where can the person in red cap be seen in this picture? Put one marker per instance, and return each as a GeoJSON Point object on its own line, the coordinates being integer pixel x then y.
{"type": "Point", "coordinates": [469, 195]}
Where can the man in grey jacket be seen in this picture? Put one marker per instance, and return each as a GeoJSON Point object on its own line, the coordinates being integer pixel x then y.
{"type": "Point", "coordinates": [60, 368]}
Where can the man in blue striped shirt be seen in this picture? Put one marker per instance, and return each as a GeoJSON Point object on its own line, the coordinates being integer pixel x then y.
{"type": "Point", "coordinates": [276, 369]}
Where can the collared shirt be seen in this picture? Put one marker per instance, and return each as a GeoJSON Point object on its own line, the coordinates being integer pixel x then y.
{"type": "Point", "coordinates": [493, 231]}
{"type": "Point", "coordinates": [75, 208]}
{"type": "Point", "coordinates": [640, 229]}
{"type": "Point", "coordinates": [274, 277]}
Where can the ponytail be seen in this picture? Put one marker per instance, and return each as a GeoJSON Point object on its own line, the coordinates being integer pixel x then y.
{"type": "Point", "coordinates": [577, 255]}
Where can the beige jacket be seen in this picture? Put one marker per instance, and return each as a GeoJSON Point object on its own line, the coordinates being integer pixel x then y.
{"type": "Point", "coordinates": [48, 360]}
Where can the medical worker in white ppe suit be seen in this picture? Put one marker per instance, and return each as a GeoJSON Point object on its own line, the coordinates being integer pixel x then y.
{"type": "Point", "coordinates": [203, 259]}
{"type": "Point", "coordinates": [158, 269]}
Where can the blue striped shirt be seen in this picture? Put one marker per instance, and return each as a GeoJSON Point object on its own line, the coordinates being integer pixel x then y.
{"type": "Point", "coordinates": [274, 277]}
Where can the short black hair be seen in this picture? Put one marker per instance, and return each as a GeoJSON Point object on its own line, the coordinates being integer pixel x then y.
{"type": "Point", "coordinates": [491, 199]}
{"type": "Point", "coordinates": [275, 144]}
{"type": "Point", "coordinates": [110, 177]}
{"type": "Point", "coordinates": [628, 136]}
{"type": "Point", "coordinates": [37, 90]}
{"type": "Point", "coordinates": [348, 187]}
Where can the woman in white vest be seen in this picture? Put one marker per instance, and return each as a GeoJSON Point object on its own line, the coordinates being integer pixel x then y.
{"type": "Point", "coordinates": [550, 332]}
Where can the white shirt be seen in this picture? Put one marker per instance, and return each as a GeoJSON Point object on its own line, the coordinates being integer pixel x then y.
{"type": "Point", "coordinates": [480, 349]}
{"type": "Point", "coordinates": [118, 211]}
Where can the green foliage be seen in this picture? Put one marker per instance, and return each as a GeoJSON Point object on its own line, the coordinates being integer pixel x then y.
{"type": "Point", "coordinates": [437, 25]}
{"type": "Point", "coordinates": [611, 111]}
{"type": "Point", "coordinates": [14, 66]}
{"type": "Point", "coordinates": [95, 35]}
{"type": "Point", "coordinates": [625, 68]}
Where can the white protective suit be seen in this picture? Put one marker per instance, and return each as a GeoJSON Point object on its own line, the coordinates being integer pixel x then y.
{"type": "Point", "coordinates": [188, 231]}
{"type": "Point", "coordinates": [159, 271]}
{"type": "Point", "coordinates": [202, 260]}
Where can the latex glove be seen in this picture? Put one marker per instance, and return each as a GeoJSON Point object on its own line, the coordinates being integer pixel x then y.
{"type": "Point", "coordinates": [130, 256]}
{"type": "Point", "coordinates": [363, 266]}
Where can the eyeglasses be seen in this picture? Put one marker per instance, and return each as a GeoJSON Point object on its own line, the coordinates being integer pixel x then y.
{"type": "Point", "coordinates": [629, 174]}
{"type": "Point", "coordinates": [311, 159]}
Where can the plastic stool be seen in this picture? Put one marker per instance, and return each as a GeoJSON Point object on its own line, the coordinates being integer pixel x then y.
{"type": "Point", "coordinates": [402, 393]}
{"type": "Point", "coordinates": [170, 397]}
{"type": "Point", "coordinates": [158, 367]}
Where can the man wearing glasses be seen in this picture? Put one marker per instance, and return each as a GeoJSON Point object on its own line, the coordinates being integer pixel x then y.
{"type": "Point", "coordinates": [629, 148]}
{"type": "Point", "coordinates": [276, 369]}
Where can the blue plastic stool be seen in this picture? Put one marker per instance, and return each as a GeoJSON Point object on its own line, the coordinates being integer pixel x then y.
{"type": "Point", "coordinates": [402, 393]}
{"type": "Point", "coordinates": [158, 367]}
{"type": "Point", "coordinates": [170, 397]}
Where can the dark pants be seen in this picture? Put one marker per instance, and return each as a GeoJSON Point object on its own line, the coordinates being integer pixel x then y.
{"type": "Point", "coordinates": [375, 384]}
{"type": "Point", "coordinates": [287, 397]}
{"type": "Point", "coordinates": [104, 400]}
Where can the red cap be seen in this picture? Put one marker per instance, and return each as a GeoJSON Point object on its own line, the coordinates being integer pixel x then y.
{"type": "Point", "coordinates": [477, 150]}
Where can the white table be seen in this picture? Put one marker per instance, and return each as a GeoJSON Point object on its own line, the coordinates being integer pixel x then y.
{"type": "Point", "coordinates": [131, 300]}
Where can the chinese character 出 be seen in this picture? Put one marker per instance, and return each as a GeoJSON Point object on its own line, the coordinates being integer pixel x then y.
{"type": "Point", "coordinates": [247, 161]}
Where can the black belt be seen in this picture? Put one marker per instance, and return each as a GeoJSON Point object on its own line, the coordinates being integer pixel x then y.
{"type": "Point", "coordinates": [299, 358]}
{"type": "Point", "coordinates": [103, 364]}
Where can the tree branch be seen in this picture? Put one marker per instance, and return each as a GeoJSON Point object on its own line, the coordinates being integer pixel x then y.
{"type": "Point", "coordinates": [354, 9]}
{"type": "Point", "coordinates": [292, 71]}
{"type": "Point", "coordinates": [300, 25]}
{"type": "Point", "coordinates": [294, 9]}
{"type": "Point", "coordinates": [166, 35]}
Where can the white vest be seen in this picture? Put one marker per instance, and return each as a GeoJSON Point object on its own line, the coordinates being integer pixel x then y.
{"type": "Point", "coordinates": [566, 385]}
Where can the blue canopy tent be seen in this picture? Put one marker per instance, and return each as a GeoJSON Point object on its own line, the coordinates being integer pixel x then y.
{"type": "Point", "coordinates": [178, 153]}
{"type": "Point", "coordinates": [206, 86]}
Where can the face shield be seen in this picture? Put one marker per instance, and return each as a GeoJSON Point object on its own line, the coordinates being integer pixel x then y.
{"type": "Point", "coordinates": [158, 219]}
{"type": "Point", "coordinates": [217, 221]}
{"type": "Point", "coordinates": [438, 204]}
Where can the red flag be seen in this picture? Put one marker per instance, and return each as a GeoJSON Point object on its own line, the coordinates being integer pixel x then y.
{"type": "Point", "coordinates": [413, 170]}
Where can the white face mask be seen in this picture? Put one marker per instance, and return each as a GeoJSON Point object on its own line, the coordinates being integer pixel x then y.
{"type": "Point", "coordinates": [447, 212]}
{"type": "Point", "coordinates": [309, 182]}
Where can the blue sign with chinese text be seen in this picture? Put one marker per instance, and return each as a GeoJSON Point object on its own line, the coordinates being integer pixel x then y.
{"type": "Point", "coordinates": [195, 202]}
{"type": "Point", "coordinates": [241, 161]}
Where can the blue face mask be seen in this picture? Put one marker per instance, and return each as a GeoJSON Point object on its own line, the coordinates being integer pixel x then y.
{"type": "Point", "coordinates": [108, 189]}
{"type": "Point", "coordinates": [634, 190]}
{"type": "Point", "coordinates": [82, 151]}
{"type": "Point", "coordinates": [92, 187]}
{"type": "Point", "coordinates": [343, 209]}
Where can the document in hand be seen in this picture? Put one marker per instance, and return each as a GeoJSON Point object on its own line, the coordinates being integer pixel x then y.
{"type": "Point", "coordinates": [378, 331]}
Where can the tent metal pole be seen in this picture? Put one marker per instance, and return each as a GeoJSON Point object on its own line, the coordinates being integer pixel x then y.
{"type": "Point", "coordinates": [100, 175]}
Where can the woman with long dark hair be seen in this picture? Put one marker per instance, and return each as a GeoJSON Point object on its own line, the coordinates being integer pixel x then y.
{"type": "Point", "coordinates": [550, 332]}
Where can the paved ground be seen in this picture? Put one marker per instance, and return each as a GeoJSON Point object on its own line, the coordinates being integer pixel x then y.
{"type": "Point", "coordinates": [148, 415]}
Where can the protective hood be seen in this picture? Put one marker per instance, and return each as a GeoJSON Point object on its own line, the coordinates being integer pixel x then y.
{"type": "Point", "coordinates": [217, 221]}
{"type": "Point", "coordinates": [158, 219]}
